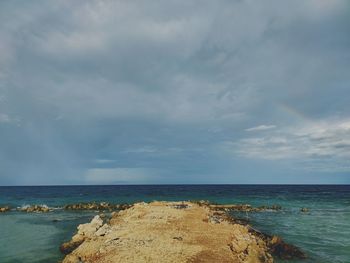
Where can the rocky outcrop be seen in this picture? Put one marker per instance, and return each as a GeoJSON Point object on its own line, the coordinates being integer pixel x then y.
{"type": "Point", "coordinates": [171, 232]}
{"type": "Point", "coordinates": [103, 206]}
{"type": "Point", "coordinates": [85, 231]}
{"type": "Point", "coordinates": [35, 208]}
{"type": "Point", "coordinates": [4, 209]}
{"type": "Point", "coordinates": [283, 250]}
{"type": "Point", "coordinates": [245, 207]}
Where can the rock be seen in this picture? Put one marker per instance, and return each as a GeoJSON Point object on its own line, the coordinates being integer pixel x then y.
{"type": "Point", "coordinates": [35, 208]}
{"type": "Point", "coordinates": [234, 207]}
{"type": "Point", "coordinates": [244, 207]}
{"type": "Point", "coordinates": [103, 206]}
{"type": "Point", "coordinates": [304, 210]}
{"type": "Point", "coordinates": [4, 209]}
{"type": "Point", "coordinates": [285, 251]}
{"type": "Point", "coordinates": [276, 207]}
{"type": "Point", "coordinates": [68, 247]}
{"type": "Point", "coordinates": [124, 206]}
{"type": "Point", "coordinates": [167, 232]}
{"type": "Point", "coordinates": [88, 230]}
{"type": "Point", "coordinates": [239, 245]}
{"type": "Point", "coordinates": [181, 206]}
{"type": "Point", "coordinates": [72, 259]}
{"type": "Point", "coordinates": [201, 202]}
{"type": "Point", "coordinates": [103, 230]}
{"type": "Point", "coordinates": [85, 231]}
{"type": "Point", "coordinates": [102, 215]}
{"type": "Point", "coordinates": [97, 220]}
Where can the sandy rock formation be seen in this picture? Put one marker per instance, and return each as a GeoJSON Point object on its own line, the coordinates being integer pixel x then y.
{"type": "Point", "coordinates": [166, 232]}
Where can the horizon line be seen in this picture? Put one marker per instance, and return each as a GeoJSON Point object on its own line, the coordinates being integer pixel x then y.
{"type": "Point", "coordinates": [181, 184]}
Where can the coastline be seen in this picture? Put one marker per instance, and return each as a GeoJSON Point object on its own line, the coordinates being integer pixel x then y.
{"type": "Point", "coordinates": [35, 237]}
{"type": "Point", "coordinates": [173, 232]}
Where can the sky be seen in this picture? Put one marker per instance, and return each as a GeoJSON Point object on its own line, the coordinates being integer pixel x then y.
{"type": "Point", "coordinates": [174, 92]}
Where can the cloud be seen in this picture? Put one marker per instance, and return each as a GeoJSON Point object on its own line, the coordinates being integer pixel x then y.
{"type": "Point", "coordinates": [324, 140]}
{"type": "Point", "coordinates": [157, 85]}
{"type": "Point", "coordinates": [261, 128]}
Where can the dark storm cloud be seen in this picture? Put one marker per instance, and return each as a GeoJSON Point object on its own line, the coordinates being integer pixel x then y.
{"type": "Point", "coordinates": [176, 91]}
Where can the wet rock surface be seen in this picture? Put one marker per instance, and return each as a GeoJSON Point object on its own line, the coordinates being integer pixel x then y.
{"type": "Point", "coordinates": [174, 232]}
{"type": "Point", "coordinates": [279, 248]}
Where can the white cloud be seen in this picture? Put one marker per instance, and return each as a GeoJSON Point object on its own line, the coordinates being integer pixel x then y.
{"type": "Point", "coordinates": [261, 128]}
{"type": "Point", "coordinates": [326, 140]}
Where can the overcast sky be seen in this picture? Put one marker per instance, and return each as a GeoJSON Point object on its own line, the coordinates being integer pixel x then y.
{"type": "Point", "coordinates": [128, 92]}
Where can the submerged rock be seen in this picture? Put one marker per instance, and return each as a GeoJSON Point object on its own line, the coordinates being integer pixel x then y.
{"type": "Point", "coordinates": [4, 209]}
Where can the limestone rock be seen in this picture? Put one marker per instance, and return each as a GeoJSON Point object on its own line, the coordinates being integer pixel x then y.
{"type": "Point", "coordinates": [103, 230]}
{"type": "Point", "coordinates": [169, 232]}
{"type": "Point", "coordinates": [89, 229]}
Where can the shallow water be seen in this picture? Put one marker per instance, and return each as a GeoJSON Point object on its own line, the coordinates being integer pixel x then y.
{"type": "Point", "coordinates": [324, 232]}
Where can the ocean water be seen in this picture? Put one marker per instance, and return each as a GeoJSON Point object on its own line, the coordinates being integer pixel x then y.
{"type": "Point", "coordinates": [323, 233]}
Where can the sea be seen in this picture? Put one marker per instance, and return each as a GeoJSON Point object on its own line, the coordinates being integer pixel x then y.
{"type": "Point", "coordinates": [323, 232]}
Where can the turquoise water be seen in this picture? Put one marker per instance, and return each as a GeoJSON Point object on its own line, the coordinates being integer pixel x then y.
{"type": "Point", "coordinates": [324, 232]}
